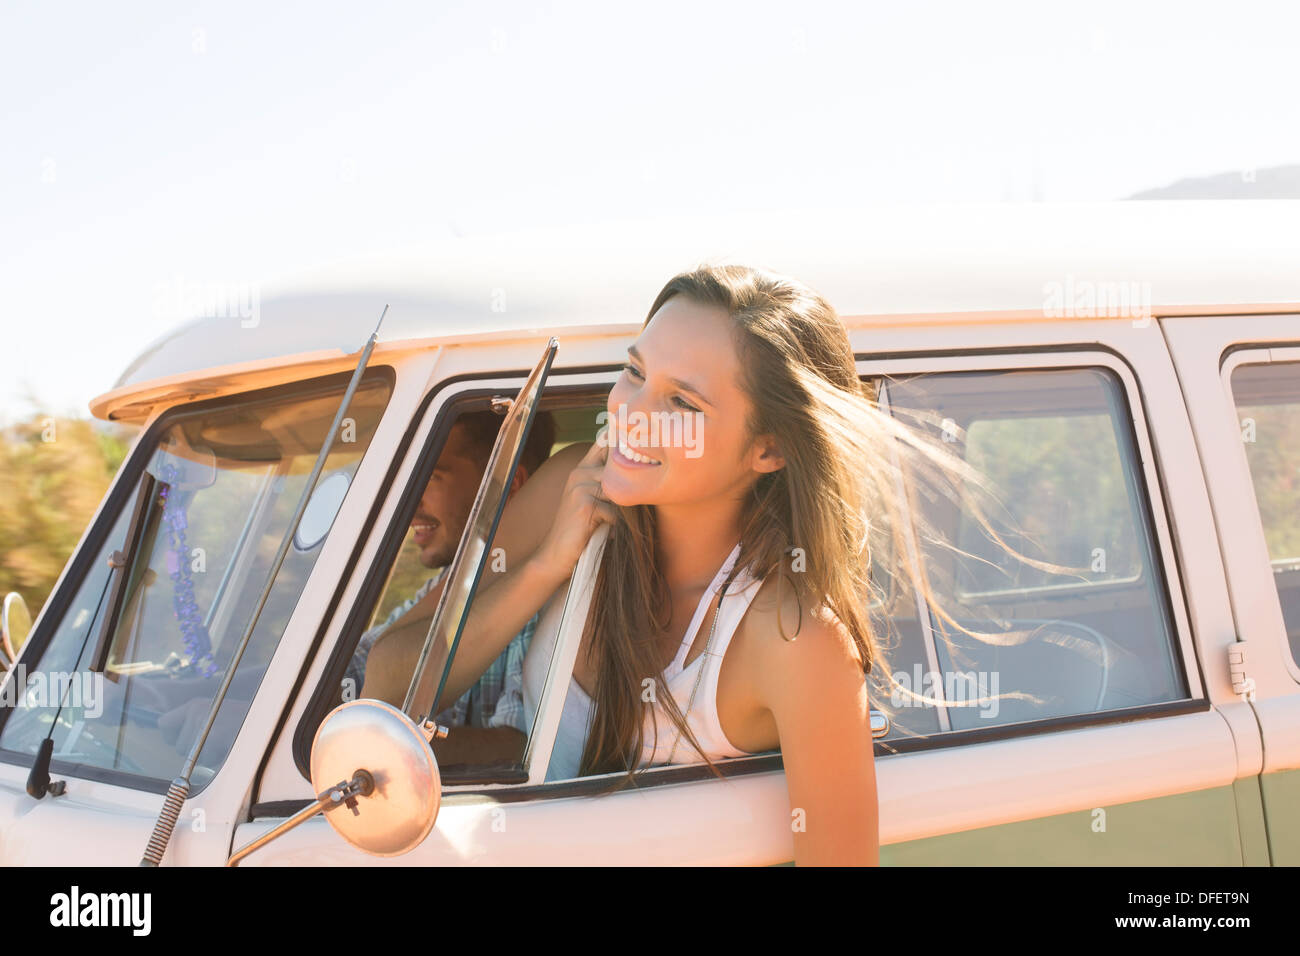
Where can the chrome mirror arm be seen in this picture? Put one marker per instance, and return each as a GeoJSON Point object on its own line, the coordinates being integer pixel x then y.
{"type": "Point", "coordinates": [343, 793]}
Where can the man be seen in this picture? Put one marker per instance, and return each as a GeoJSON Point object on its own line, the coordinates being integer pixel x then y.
{"type": "Point", "coordinates": [488, 724]}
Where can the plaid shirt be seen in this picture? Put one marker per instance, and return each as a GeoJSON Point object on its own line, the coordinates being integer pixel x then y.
{"type": "Point", "coordinates": [496, 700]}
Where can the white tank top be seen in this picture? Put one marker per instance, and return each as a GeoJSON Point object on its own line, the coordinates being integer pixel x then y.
{"type": "Point", "coordinates": [575, 719]}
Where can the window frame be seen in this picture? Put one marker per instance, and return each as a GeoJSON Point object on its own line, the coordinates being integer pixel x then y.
{"type": "Point", "coordinates": [1152, 507]}
{"type": "Point", "coordinates": [418, 451]}
{"type": "Point", "coordinates": [1233, 358]}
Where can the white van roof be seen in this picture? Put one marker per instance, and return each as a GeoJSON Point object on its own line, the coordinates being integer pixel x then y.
{"type": "Point", "coordinates": [878, 263]}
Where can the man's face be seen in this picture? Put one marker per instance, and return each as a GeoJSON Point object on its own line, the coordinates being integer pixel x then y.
{"type": "Point", "coordinates": [445, 505]}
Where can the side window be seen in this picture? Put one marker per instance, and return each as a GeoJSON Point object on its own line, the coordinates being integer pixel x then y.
{"type": "Point", "coordinates": [1091, 634]}
{"type": "Point", "coordinates": [1040, 464]}
{"type": "Point", "coordinates": [488, 725]}
{"type": "Point", "coordinates": [1268, 408]}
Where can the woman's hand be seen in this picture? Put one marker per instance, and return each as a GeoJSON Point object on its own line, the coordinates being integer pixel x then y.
{"type": "Point", "coordinates": [582, 509]}
{"type": "Point", "coordinates": [550, 508]}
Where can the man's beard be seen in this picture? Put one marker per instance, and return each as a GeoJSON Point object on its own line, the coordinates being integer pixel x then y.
{"type": "Point", "coordinates": [440, 557]}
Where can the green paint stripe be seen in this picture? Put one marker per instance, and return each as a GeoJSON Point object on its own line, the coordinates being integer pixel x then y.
{"type": "Point", "coordinates": [1255, 822]}
{"type": "Point", "coordinates": [1250, 821]}
{"type": "Point", "coordinates": [1198, 828]}
{"type": "Point", "coordinates": [1281, 795]}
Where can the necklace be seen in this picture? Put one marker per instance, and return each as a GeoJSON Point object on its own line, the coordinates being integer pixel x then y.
{"type": "Point", "coordinates": [700, 674]}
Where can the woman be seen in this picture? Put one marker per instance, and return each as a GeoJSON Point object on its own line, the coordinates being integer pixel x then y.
{"type": "Point", "coordinates": [789, 476]}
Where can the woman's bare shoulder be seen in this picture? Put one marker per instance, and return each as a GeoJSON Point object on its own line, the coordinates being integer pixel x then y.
{"type": "Point", "coordinates": [794, 641]}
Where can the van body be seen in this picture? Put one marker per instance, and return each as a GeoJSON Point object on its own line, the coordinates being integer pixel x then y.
{"type": "Point", "coordinates": [1129, 375]}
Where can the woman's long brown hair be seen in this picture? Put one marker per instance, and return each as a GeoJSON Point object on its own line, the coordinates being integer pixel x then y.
{"type": "Point", "coordinates": [822, 522]}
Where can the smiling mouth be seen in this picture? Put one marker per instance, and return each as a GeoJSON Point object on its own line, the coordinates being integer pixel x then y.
{"type": "Point", "coordinates": [633, 456]}
{"type": "Point", "coordinates": [423, 528]}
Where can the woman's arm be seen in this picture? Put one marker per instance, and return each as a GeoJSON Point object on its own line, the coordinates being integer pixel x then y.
{"type": "Point", "coordinates": [496, 615]}
{"type": "Point", "coordinates": [816, 691]}
{"type": "Point", "coordinates": [543, 529]}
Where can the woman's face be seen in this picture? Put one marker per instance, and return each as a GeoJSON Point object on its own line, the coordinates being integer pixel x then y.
{"type": "Point", "coordinates": [679, 406]}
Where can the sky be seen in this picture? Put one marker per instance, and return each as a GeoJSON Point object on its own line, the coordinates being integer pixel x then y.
{"type": "Point", "coordinates": [149, 147]}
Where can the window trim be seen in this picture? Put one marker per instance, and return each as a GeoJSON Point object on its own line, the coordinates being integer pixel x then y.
{"type": "Point", "coordinates": [415, 455]}
{"type": "Point", "coordinates": [118, 497]}
{"type": "Point", "coordinates": [1232, 359]}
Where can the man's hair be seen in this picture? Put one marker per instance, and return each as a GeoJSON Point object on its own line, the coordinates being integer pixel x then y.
{"type": "Point", "coordinates": [480, 431]}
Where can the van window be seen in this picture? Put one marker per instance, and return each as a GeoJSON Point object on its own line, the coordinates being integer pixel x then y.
{"type": "Point", "coordinates": [198, 532]}
{"type": "Point", "coordinates": [1268, 409]}
{"type": "Point", "coordinates": [1047, 643]}
{"type": "Point", "coordinates": [488, 724]}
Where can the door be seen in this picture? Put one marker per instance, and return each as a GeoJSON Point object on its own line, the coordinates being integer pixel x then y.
{"type": "Point", "coordinates": [1062, 717]}
{"type": "Point", "coordinates": [502, 812]}
{"type": "Point", "coordinates": [1241, 377]}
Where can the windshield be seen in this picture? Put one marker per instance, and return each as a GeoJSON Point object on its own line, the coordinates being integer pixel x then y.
{"type": "Point", "coordinates": [196, 539]}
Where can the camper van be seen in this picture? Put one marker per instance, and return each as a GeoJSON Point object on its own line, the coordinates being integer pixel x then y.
{"type": "Point", "coordinates": [1126, 374]}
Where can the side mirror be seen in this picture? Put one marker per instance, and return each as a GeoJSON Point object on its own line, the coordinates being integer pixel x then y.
{"type": "Point", "coordinates": [377, 780]}
{"type": "Point", "coordinates": [15, 625]}
{"type": "Point", "coordinates": [323, 507]}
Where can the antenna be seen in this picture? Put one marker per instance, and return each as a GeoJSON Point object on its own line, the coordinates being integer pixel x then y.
{"type": "Point", "coordinates": [180, 787]}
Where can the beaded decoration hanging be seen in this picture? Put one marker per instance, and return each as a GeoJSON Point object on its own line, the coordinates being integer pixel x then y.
{"type": "Point", "coordinates": [194, 632]}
